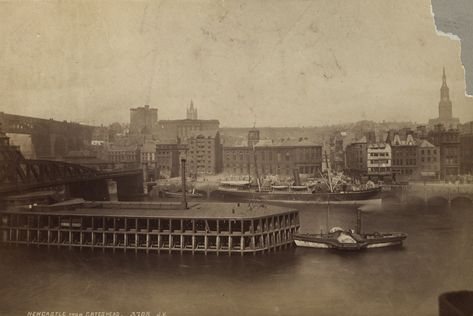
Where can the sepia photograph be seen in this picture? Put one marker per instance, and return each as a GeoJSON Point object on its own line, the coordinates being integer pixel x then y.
{"type": "Point", "coordinates": [236, 157]}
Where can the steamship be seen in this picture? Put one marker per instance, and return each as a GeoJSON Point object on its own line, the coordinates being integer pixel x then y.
{"type": "Point", "coordinates": [333, 189]}
{"type": "Point", "coordinates": [243, 190]}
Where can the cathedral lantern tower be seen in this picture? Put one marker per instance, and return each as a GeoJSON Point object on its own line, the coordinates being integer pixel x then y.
{"type": "Point", "coordinates": [191, 112]}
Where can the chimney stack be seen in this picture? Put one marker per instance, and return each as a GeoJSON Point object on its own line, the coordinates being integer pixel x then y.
{"type": "Point", "coordinates": [183, 180]}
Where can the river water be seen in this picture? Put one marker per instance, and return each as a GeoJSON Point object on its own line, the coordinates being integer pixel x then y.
{"type": "Point", "coordinates": [437, 257]}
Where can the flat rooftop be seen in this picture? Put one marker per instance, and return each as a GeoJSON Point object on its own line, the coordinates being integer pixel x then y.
{"type": "Point", "coordinates": [207, 210]}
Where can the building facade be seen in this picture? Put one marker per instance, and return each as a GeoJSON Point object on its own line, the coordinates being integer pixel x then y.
{"type": "Point", "coordinates": [147, 153]}
{"type": "Point", "coordinates": [379, 160]}
{"type": "Point", "coordinates": [404, 158]}
{"type": "Point", "coordinates": [428, 160]}
{"type": "Point", "coordinates": [127, 155]}
{"type": "Point", "coordinates": [143, 120]}
{"type": "Point", "coordinates": [448, 141]}
{"type": "Point", "coordinates": [356, 158]}
{"type": "Point", "coordinates": [204, 155]}
{"type": "Point", "coordinates": [168, 157]}
{"type": "Point", "coordinates": [184, 128]}
{"type": "Point", "coordinates": [279, 158]}
{"type": "Point", "coordinates": [466, 149]}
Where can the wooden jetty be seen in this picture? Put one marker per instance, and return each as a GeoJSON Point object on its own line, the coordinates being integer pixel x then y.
{"type": "Point", "coordinates": [208, 228]}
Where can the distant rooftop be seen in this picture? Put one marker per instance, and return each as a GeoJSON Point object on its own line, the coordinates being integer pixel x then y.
{"type": "Point", "coordinates": [378, 145]}
{"type": "Point", "coordinates": [286, 143]}
{"type": "Point", "coordinates": [204, 133]}
{"type": "Point", "coordinates": [188, 120]}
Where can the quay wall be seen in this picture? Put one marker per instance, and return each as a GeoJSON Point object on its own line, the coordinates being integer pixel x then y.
{"type": "Point", "coordinates": [150, 234]}
{"type": "Point", "coordinates": [429, 193]}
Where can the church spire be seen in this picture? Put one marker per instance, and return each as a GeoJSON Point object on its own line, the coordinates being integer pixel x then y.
{"type": "Point", "coordinates": [444, 77]}
{"type": "Point", "coordinates": [444, 90]}
{"type": "Point", "coordinates": [445, 105]}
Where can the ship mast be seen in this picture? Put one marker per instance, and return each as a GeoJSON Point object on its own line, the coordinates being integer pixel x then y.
{"type": "Point", "coordinates": [329, 172]}
{"type": "Point", "coordinates": [249, 166]}
{"type": "Point", "coordinates": [256, 169]}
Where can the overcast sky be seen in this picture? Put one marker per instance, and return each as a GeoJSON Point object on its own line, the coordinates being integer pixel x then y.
{"type": "Point", "coordinates": [278, 63]}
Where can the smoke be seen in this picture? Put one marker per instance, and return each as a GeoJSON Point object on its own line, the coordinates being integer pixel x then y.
{"type": "Point", "coordinates": [370, 208]}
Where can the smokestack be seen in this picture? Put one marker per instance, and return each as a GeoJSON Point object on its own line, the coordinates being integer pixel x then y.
{"type": "Point", "coordinates": [183, 180]}
{"type": "Point", "coordinates": [358, 221]}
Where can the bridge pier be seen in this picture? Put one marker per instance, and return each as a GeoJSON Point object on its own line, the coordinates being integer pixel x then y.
{"type": "Point", "coordinates": [94, 190]}
{"type": "Point", "coordinates": [129, 186]}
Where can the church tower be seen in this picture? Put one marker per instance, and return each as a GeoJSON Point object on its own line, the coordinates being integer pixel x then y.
{"type": "Point", "coordinates": [445, 108]}
{"type": "Point", "coordinates": [445, 105]}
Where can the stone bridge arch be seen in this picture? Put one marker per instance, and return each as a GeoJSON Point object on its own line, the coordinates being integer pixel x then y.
{"type": "Point", "coordinates": [462, 201]}
{"type": "Point", "coordinates": [437, 200]}
{"type": "Point", "coordinates": [415, 200]}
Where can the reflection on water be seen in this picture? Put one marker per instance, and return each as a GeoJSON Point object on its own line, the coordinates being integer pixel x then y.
{"type": "Point", "coordinates": [437, 257]}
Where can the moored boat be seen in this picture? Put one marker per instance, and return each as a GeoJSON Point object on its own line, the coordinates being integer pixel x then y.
{"type": "Point", "coordinates": [169, 194]}
{"type": "Point", "coordinates": [299, 194]}
{"type": "Point", "coordinates": [340, 239]}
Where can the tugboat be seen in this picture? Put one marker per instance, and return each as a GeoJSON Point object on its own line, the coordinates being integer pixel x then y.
{"type": "Point", "coordinates": [340, 239]}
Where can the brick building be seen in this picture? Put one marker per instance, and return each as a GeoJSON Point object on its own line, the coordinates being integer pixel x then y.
{"type": "Point", "coordinates": [404, 158]}
{"type": "Point", "coordinates": [428, 160]}
{"type": "Point", "coordinates": [204, 155]}
{"type": "Point", "coordinates": [273, 157]}
{"type": "Point", "coordinates": [168, 158]}
{"type": "Point", "coordinates": [128, 156]}
{"type": "Point", "coordinates": [466, 149]}
{"type": "Point", "coordinates": [448, 141]}
{"type": "Point", "coordinates": [356, 158]}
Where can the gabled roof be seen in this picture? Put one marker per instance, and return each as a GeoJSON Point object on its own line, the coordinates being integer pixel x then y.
{"type": "Point", "coordinates": [425, 144]}
{"type": "Point", "coordinates": [408, 142]}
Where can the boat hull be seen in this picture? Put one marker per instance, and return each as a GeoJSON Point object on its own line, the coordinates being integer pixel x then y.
{"type": "Point", "coordinates": [168, 194]}
{"type": "Point", "coordinates": [366, 241]}
{"type": "Point", "coordinates": [372, 196]}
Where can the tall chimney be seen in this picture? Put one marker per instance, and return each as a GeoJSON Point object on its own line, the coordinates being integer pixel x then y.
{"type": "Point", "coordinates": [358, 221]}
{"type": "Point", "coordinates": [183, 180]}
